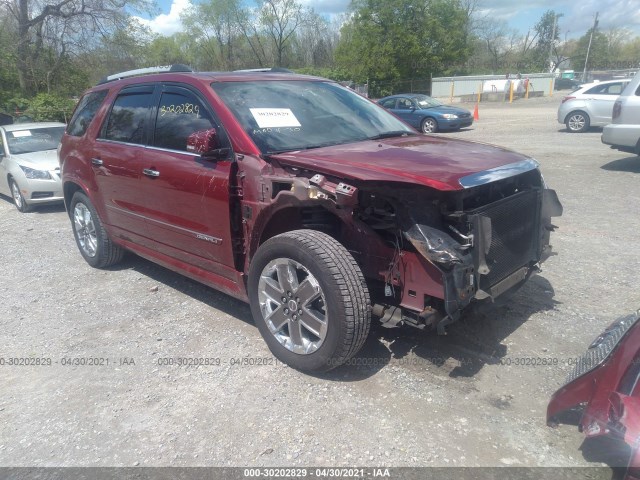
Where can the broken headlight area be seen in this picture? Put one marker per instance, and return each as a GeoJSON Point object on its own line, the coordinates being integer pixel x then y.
{"type": "Point", "coordinates": [481, 249]}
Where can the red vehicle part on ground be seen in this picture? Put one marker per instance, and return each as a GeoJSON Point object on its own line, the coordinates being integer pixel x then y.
{"type": "Point", "coordinates": [606, 381]}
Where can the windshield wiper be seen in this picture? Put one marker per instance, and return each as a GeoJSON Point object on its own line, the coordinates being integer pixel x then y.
{"type": "Point", "coordinates": [396, 133]}
{"type": "Point", "coordinates": [302, 147]}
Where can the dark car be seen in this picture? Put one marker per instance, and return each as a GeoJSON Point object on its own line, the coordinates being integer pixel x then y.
{"type": "Point", "coordinates": [566, 84]}
{"type": "Point", "coordinates": [605, 387]}
{"type": "Point", "coordinates": [303, 198]}
{"type": "Point", "coordinates": [427, 114]}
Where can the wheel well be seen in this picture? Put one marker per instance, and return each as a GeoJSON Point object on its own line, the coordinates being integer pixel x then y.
{"type": "Point", "coordinates": [572, 112]}
{"type": "Point", "coordinates": [69, 190]}
{"type": "Point", "coordinates": [295, 218]}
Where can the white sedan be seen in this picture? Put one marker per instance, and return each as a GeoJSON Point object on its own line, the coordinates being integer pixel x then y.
{"type": "Point", "coordinates": [29, 169]}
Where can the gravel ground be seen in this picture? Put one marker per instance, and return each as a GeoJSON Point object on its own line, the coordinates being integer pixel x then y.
{"type": "Point", "coordinates": [410, 398]}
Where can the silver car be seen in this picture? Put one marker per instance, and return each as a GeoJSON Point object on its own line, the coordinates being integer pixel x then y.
{"type": "Point", "coordinates": [590, 105]}
{"type": "Point", "coordinates": [29, 169]}
{"type": "Point", "coordinates": [624, 132]}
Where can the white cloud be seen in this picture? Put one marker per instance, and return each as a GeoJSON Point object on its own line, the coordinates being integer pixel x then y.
{"type": "Point", "coordinates": [577, 15]}
{"type": "Point", "coordinates": [167, 23]}
{"type": "Point", "coordinates": [577, 19]}
{"type": "Point", "coordinates": [612, 14]}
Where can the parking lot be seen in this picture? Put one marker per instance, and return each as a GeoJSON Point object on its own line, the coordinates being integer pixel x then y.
{"type": "Point", "coordinates": [110, 390]}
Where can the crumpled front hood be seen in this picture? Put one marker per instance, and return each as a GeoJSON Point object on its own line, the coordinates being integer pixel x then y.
{"type": "Point", "coordinates": [46, 160]}
{"type": "Point", "coordinates": [436, 162]}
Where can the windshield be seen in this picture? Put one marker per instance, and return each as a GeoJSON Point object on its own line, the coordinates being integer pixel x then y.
{"type": "Point", "coordinates": [425, 102]}
{"type": "Point", "coordinates": [282, 116]}
{"type": "Point", "coordinates": [34, 139]}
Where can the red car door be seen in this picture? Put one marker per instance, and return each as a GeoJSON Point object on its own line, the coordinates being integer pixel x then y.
{"type": "Point", "coordinates": [116, 161]}
{"type": "Point", "coordinates": [186, 196]}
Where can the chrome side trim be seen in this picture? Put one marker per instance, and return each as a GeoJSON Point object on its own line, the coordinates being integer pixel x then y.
{"type": "Point", "coordinates": [498, 173]}
{"type": "Point", "coordinates": [169, 150]}
{"type": "Point", "coordinates": [198, 235]}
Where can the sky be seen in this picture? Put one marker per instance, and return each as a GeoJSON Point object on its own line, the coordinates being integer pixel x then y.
{"type": "Point", "coordinates": [578, 15]}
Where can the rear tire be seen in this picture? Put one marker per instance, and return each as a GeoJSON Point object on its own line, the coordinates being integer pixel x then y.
{"type": "Point", "coordinates": [93, 242]}
{"type": "Point", "coordinates": [578, 122]}
{"type": "Point", "coordinates": [309, 300]}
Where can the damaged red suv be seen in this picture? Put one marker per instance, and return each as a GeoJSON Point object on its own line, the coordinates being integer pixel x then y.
{"type": "Point", "coordinates": [298, 195]}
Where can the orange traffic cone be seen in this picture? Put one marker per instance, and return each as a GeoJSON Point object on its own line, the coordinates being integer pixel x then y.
{"type": "Point", "coordinates": [476, 115]}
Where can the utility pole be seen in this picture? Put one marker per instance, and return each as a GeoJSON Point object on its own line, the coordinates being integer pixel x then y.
{"type": "Point", "coordinates": [551, 42]}
{"type": "Point", "coordinates": [586, 59]}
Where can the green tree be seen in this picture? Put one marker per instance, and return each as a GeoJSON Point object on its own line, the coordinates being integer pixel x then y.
{"type": "Point", "coordinates": [598, 53]}
{"type": "Point", "coordinates": [47, 107]}
{"type": "Point", "coordinates": [402, 39]}
{"type": "Point", "coordinates": [56, 28]}
{"type": "Point", "coordinates": [279, 20]}
{"type": "Point", "coordinates": [9, 85]}
{"type": "Point", "coordinates": [630, 53]}
{"type": "Point", "coordinates": [547, 34]}
{"type": "Point", "coordinates": [215, 24]}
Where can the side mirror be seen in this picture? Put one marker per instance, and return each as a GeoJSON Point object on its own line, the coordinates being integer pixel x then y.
{"type": "Point", "coordinates": [207, 144]}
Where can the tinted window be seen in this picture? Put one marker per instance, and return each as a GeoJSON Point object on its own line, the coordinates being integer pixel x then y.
{"type": "Point", "coordinates": [389, 103]}
{"type": "Point", "coordinates": [180, 114]}
{"type": "Point", "coordinates": [85, 112]}
{"type": "Point", "coordinates": [129, 117]}
{"type": "Point", "coordinates": [34, 139]}
{"type": "Point", "coordinates": [405, 104]}
{"type": "Point", "coordinates": [607, 89]}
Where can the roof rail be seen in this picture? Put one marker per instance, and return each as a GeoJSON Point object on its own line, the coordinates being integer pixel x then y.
{"type": "Point", "coordinates": [178, 67]}
{"type": "Point", "coordinates": [266, 70]}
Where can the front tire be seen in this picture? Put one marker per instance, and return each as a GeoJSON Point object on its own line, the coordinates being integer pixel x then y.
{"type": "Point", "coordinates": [93, 242]}
{"type": "Point", "coordinates": [309, 300]}
{"type": "Point", "coordinates": [577, 122]}
{"type": "Point", "coordinates": [18, 199]}
{"type": "Point", "coordinates": [429, 125]}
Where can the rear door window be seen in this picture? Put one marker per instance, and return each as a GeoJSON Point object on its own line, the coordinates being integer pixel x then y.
{"type": "Point", "coordinates": [129, 116]}
{"type": "Point", "coordinates": [389, 103]}
{"type": "Point", "coordinates": [606, 89]}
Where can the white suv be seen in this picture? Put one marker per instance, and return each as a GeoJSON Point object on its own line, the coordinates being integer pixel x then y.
{"type": "Point", "coordinates": [624, 133]}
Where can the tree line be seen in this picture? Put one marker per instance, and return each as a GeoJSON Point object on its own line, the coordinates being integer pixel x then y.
{"type": "Point", "coordinates": [51, 52]}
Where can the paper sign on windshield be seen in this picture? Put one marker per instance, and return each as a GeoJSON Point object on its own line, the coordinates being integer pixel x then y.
{"type": "Point", "coordinates": [21, 133]}
{"type": "Point", "coordinates": [274, 117]}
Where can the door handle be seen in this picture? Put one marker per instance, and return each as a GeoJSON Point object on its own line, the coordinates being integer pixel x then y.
{"type": "Point", "coordinates": [97, 162]}
{"type": "Point", "coordinates": [151, 173]}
